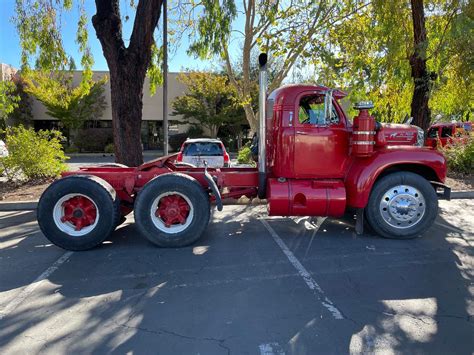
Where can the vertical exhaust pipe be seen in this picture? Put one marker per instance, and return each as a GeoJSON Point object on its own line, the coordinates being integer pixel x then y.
{"type": "Point", "coordinates": [262, 100]}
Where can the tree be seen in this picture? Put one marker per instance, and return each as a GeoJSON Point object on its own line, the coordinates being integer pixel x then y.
{"type": "Point", "coordinates": [210, 101]}
{"type": "Point", "coordinates": [39, 26]}
{"type": "Point", "coordinates": [289, 31]}
{"type": "Point", "coordinates": [71, 105]}
{"type": "Point", "coordinates": [22, 113]}
{"type": "Point", "coordinates": [8, 100]}
{"type": "Point", "coordinates": [369, 56]}
{"type": "Point", "coordinates": [420, 110]}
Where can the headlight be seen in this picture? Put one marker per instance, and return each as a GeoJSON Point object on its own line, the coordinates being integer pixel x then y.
{"type": "Point", "coordinates": [420, 137]}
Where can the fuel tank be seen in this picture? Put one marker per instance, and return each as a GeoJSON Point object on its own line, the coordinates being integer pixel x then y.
{"type": "Point", "coordinates": [305, 197]}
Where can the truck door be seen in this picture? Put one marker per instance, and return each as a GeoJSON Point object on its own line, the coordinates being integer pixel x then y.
{"type": "Point", "coordinates": [321, 145]}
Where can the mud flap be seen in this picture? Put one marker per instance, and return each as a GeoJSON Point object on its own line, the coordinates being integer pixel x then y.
{"type": "Point", "coordinates": [359, 227]}
{"type": "Point", "coordinates": [213, 186]}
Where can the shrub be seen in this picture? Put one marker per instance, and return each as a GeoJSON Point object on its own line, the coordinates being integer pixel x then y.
{"type": "Point", "coordinates": [194, 132]}
{"type": "Point", "coordinates": [460, 155]}
{"type": "Point", "coordinates": [109, 148]}
{"type": "Point", "coordinates": [245, 155]}
{"type": "Point", "coordinates": [33, 155]}
{"type": "Point", "coordinates": [176, 140]}
{"type": "Point", "coordinates": [71, 149]}
{"type": "Point", "coordinates": [93, 140]}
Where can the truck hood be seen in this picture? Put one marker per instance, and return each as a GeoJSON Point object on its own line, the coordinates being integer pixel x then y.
{"type": "Point", "coordinates": [402, 134]}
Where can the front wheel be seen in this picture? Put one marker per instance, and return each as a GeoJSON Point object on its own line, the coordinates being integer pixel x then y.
{"type": "Point", "coordinates": [402, 205]}
{"type": "Point", "coordinates": [172, 210]}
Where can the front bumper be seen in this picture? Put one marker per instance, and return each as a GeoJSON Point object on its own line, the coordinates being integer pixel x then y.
{"type": "Point", "coordinates": [442, 191]}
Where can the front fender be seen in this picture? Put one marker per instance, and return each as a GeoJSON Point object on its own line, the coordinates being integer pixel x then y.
{"type": "Point", "coordinates": [363, 172]}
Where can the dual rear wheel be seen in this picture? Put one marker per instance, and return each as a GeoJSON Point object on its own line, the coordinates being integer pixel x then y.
{"type": "Point", "coordinates": [79, 212]}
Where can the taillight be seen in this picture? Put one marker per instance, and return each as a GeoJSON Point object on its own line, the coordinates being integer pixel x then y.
{"type": "Point", "coordinates": [226, 157]}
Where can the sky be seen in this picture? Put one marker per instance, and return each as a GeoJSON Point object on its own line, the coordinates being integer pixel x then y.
{"type": "Point", "coordinates": [10, 50]}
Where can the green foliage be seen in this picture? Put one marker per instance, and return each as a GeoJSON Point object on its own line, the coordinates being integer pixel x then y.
{"type": "Point", "coordinates": [93, 140]}
{"type": "Point", "coordinates": [8, 99]}
{"type": "Point", "coordinates": [367, 55]}
{"type": "Point", "coordinates": [210, 101]}
{"type": "Point", "coordinates": [22, 113]}
{"type": "Point", "coordinates": [176, 140]}
{"type": "Point", "coordinates": [245, 155]}
{"type": "Point", "coordinates": [70, 104]}
{"type": "Point", "coordinates": [109, 148]}
{"type": "Point", "coordinates": [460, 155]}
{"type": "Point", "coordinates": [33, 155]}
{"type": "Point", "coordinates": [195, 132]}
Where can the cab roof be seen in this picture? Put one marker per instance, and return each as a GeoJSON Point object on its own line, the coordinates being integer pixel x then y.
{"type": "Point", "coordinates": [288, 93]}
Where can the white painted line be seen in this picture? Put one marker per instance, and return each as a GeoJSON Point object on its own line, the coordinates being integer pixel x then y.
{"type": "Point", "coordinates": [312, 284]}
{"type": "Point", "coordinates": [271, 349]}
{"type": "Point", "coordinates": [28, 290]}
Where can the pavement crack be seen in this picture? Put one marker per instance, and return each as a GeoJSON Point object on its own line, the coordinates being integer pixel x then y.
{"type": "Point", "coordinates": [162, 331]}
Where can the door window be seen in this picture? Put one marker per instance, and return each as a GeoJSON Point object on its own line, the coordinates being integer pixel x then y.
{"type": "Point", "coordinates": [311, 111]}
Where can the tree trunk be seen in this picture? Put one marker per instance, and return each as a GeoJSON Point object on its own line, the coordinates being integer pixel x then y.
{"type": "Point", "coordinates": [126, 97]}
{"type": "Point", "coordinates": [128, 67]}
{"type": "Point", "coordinates": [251, 117]}
{"type": "Point", "coordinates": [420, 110]}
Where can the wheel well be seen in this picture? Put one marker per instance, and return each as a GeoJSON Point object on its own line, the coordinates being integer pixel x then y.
{"type": "Point", "coordinates": [422, 170]}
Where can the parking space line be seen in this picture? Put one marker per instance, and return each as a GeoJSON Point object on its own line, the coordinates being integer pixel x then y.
{"type": "Point", "coordinates": [271, 349]}
{"type": "Point", "coordinates": [308, 279]}
{"type": "Point", "coordinates": [28, 290]}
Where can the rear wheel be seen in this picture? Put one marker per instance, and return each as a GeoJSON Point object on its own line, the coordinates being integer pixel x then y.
{"type": "Point", "coordinates": [78, 212]}
{"type": "Point", "coordinates": [172, 210]}
{"type": "Point", "coordinates": [402, 206]}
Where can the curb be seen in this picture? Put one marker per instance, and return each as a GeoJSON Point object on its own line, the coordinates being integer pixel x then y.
{"type": "Point", "coordinates": [462, 194]}
{"type": "Point", "coordinates": [19, 205]}
{"type": "Point", "coordinates": [31, 205]}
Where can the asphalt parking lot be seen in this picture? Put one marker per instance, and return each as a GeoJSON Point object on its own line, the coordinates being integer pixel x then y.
{"type": "Point", "coordinates": [251, 285]}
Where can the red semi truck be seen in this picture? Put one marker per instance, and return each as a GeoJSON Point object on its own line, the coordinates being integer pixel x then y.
{"type": "Point", "coordinates": [312, 161]}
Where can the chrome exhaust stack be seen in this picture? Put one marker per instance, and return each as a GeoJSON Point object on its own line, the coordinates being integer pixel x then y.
{"type": "Point", "coordinates": [262, 101]}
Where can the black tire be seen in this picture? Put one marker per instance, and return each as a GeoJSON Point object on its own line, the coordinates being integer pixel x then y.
{"type": "Point", "coordinates": [374, 209]}
{"type": "Point", "coordinates": [95, 189]}
{"type": "Point", "coordinates": [185, 186]}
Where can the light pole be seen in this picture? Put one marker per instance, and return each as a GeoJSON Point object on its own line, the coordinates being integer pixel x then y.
{"type": "Point", "coordinates": [165, 78]}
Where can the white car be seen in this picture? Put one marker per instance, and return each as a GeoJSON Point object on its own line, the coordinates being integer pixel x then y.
{"type": "Point", "coordinates": [3, 149]}
{"type": "Point", "coordinates": [200, 150]}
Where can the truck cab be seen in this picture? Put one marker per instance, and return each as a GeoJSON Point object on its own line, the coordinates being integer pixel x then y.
{"type": "Point", "coordinates": [321, 163]}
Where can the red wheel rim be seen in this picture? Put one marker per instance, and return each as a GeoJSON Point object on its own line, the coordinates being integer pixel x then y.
{"type": "Point", "coordinates": [172, 210]}
{"type": "Point", "coordinates": [79, 211]}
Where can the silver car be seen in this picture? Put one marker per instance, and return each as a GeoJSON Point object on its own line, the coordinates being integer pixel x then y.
{"type": "Point", "coordinates": [200, 150]}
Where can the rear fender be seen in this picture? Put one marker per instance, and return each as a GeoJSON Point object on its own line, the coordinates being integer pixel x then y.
{"type": "Point", "coordinates": [364, 172]}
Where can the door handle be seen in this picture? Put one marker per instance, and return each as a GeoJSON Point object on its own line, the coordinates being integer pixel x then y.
{"type": "Point", "coordinates": [301, 132]}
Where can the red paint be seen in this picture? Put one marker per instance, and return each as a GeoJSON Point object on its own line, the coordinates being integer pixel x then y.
{"type": "Point", "coordinates": [173, 209]}
{"type": "Point", "coordinates": [400, 134]}
{"type": "Point", "coordinates": [363, 134]}
{"type": "Point", "coordinates": [79, 211]}
{"type": "Point", "coordinates": [311, 170]}
{"type": "Point", "coordinates": [446, 132]}
{"type": "Point", "coordinates": [306, 197]}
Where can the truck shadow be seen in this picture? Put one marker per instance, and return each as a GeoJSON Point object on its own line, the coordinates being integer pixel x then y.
{"type": "Point", "coordinates": [129, 296]}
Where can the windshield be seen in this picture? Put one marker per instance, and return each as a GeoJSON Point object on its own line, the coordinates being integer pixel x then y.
{"type": "Point", "coordinates": [203, 149]}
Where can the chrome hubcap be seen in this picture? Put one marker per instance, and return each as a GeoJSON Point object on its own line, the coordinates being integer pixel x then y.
{"type": "Point", "coordinates": [402, 206]}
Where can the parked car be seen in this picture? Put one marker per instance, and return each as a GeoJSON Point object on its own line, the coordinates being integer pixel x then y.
{"type": "Point", "coordinates": [445, 132]}
{"type": "Point", "coordinates": [3, 149]}
{"type": "Point", "coordinates": [200, 150]}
